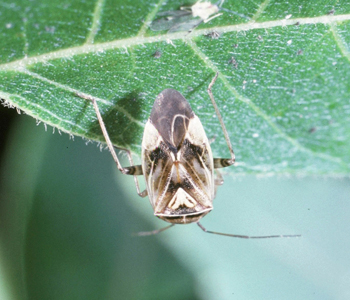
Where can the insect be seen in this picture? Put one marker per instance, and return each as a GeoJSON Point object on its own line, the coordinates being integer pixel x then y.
{"type": "Point", "coordinates": [189, 17]}
{"type": "Point", "coordinates": [177, 161]}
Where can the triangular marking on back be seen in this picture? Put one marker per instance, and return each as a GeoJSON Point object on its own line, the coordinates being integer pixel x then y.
{"type": "Point", "coordinates": [181, 198]}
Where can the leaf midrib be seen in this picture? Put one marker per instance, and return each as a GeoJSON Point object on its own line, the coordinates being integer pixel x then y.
{"type": "Point", "coordinates": [168, 37]}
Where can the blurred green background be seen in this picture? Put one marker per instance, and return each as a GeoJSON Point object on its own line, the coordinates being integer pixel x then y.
{"type": "Point", "coordinates": [67, 215]}
{"type": "Point", "coordinates": [67, 218]}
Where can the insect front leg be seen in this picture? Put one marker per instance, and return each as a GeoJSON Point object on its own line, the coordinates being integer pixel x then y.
{"type": "Point", "coordinates": [131, 170]}
{"type": "Point", "coordinates": [248, 236]}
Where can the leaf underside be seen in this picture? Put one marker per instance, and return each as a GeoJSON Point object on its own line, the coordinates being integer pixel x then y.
{"type": "Point", "coordinates": [283, 87]}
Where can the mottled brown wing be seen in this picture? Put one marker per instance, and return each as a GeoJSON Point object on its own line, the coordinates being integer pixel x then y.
{"type": "Point", "coordinates": [156, 164]}
{"type": "Point", "coordinates": [197, 159]}
{"type": "Point", "coordinates": [177, 159]}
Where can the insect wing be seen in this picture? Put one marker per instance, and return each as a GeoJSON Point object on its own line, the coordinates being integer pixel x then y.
{"type": "Point", "coordinates": [156, 163]}
{"type": "Point", "coordinates": [177, 161]}
{"type": "Point", "coordinates": [186, 25]}
{"type": "Point", "coordinates": [170, 19]}
{"type": "Point", "coordinates": [174, 13]}
{"type": "Point", "coordinates": [176, 20]}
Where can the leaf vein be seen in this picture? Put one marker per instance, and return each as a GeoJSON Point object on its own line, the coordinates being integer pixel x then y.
{"type": "Point", "coordinates": [77, 92]}
{"type": "Point", "coordinates": [261, 9]}
{"type": "Point", "coordinates": [149, 18]}
{"type": "Point", "coordinates": [339, 41]}
{"type": "Point", "coordinates": [96, 22]}
{"type": "Point", "coordinates": [124, 43]}
{"type": "Point", "coordinates": [261, 113]}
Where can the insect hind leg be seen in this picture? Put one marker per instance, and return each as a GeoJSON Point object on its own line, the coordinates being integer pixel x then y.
{"type": "Point", "coordinates": [153, 232]}
{"type": "Point", "coordinates": [248, 236]}
{"type": "Point", "coordinates": [132, 170]}
{"type": "Point", "coordinates": [221, 162]}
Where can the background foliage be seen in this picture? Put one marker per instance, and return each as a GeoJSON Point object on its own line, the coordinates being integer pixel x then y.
{"type": "Point", "coordinates": [67, 214]}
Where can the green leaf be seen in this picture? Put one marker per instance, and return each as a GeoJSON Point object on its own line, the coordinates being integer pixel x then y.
{"type": "Point", "coordinates": [283, 87]}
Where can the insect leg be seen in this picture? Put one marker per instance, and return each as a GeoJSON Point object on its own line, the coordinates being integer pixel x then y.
{"type": "Point", "coordinates": [135, 170]}
{"type": "Point", "coordinates": [104, 131]}
{"type": "Point", "coordinates": [234, 13]}
{"type": "Point", "coordinates": [132, 170]}
{"type": "Point", "coordinates": [221, 162]}
{"type": "Point", "coordinates": [153, 232]}
{"type": "Point", "coordinates": [212, 140]}
{"type": "Point", "coordinates": [220, 3]}
{"type": "Point", "coordinates": [218, 180]}
{"type": "Point", "coordinates": [247, 236]}
{"type": "Point", "coordinates": [211, 18]}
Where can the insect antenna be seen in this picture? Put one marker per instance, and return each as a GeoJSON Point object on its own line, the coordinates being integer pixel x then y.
{"type": "Point", "coordinates": [153, 232]}
{"type": "Point", "coordinates": [247, 236]}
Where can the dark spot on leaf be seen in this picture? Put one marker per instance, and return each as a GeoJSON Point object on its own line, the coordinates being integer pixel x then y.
{"type": "Point", "coordinates": [157, 54]}
{"type": "Point", "coordinates": [233, 62]}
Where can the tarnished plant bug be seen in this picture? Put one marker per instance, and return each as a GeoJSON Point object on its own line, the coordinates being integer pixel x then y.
{"type": "Point", "coordinates": [177, 161]}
